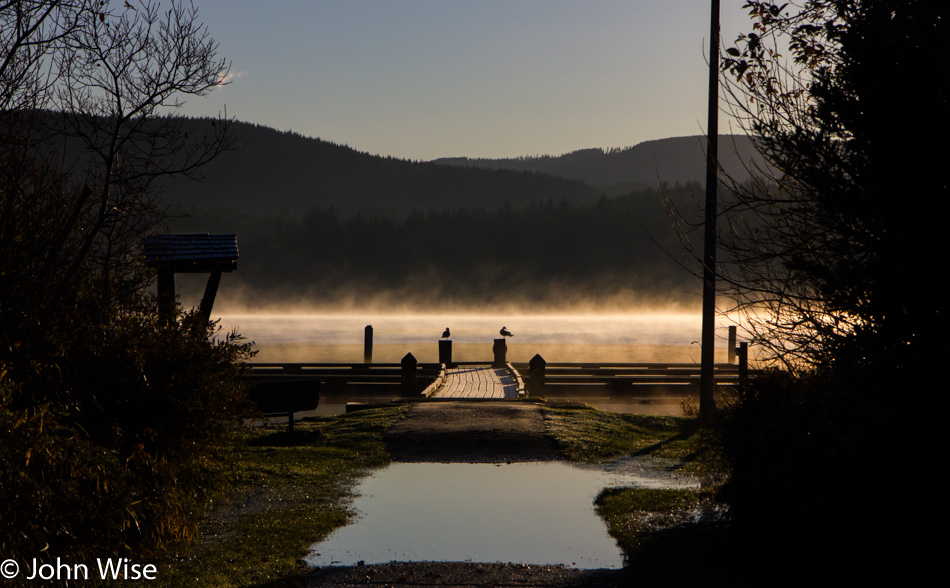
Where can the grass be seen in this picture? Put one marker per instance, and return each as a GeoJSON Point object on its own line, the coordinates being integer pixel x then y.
{"type": "Point", "coordinates": [634, 514]}
{"type": "Point", "coordinates": [289, 491]}
{"type": "Point", "coordinates": [641, 519]}
{"type": "Point", "coordinates": [592, 436]}
{"type": "Point", "coordinates": [652, 528]}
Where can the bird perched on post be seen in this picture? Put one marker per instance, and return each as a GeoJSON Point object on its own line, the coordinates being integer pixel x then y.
{"type": "Point", "coordinates": [505, 332]}
{"type": "Point", "coordinates": [446, 334]}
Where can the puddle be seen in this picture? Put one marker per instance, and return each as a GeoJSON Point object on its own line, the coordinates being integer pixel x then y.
{"type": "Point", "coordinates": [523, 513]}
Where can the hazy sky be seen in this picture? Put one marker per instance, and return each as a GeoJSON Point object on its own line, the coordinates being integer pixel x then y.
{"type": "Point", "coordinates": [420, 79]}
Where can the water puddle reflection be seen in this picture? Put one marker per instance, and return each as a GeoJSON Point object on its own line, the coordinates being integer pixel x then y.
{"type": "Point", "coordinates": [525, 513]}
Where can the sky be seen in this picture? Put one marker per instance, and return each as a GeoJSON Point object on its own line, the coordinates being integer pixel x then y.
{"type": "Point", "coordinates": [422, 79]}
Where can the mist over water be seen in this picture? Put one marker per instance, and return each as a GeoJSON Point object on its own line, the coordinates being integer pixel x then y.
{"type": "Point", "coordinates": [557, 336]}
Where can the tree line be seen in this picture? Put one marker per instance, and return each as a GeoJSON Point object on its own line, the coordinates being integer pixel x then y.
{"type": "Point", "coordinates": [533, 253]}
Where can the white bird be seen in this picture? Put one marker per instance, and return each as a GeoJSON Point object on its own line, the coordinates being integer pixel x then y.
{"type": "Point", "coordinates": [505, 332]}
{"type": "Point", "coordinates": [446, 334]}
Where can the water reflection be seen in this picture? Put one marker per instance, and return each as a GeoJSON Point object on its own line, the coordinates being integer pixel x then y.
{"type": "Point", "coordinates": [530, 513]}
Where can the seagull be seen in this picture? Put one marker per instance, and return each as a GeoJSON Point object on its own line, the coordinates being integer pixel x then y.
{"type": "Point", "coordinates": [505, 332]}
{"type": "Point", "coordinates": [446, 334]}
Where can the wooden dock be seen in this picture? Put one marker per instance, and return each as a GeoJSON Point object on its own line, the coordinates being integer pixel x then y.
{"type": "Point", "coordinates": [477, 381]}
{"type": "Point", "coordinates": [498, 381]}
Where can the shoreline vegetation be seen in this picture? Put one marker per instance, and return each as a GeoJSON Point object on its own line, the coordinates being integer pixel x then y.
{"type": "Point", "coordinates": [288, 491]}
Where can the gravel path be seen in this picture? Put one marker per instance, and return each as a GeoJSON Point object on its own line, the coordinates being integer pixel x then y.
{"type": "Point", "coordinates": [471, 432]}
{"type": "Point", "coordinates": [465, 574]}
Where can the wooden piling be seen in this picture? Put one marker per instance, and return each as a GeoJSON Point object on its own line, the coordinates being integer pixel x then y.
{"type": "Point", "coordinates": [445, 352]}
{"type": "Point", "coordinates": [368, 344]}
{"type": "Point", "coordinates": [500, 351]}
{"type": "Point", "coordinates": [409, 376]}
{"type": "Point", "coordinates": [536, 369]}
{"type": "Point", "coordinates": [743, 364]}
{"type": "Point", "coordinates": [731, 347]}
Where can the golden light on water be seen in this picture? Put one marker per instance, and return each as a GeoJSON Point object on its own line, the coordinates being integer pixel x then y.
{"type": "Point", "coordinates": [558, 337]}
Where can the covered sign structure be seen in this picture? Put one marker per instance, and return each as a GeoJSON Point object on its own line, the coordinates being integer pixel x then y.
{"type": "Point", "coordinates": [190, 253]}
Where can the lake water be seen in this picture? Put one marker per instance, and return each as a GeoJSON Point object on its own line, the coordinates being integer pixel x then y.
{"type": "Point", "coordinates": [528, 513]}
{"type": "Point", "coordinates": [607, 338]}
{"type": "Point", "coordinates": [604, 338]}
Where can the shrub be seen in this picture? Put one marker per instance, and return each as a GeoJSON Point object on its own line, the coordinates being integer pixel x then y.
{"type": "Point", "coordinates": [113, 430]}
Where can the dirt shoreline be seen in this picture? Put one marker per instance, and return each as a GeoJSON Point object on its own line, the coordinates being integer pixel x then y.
{"type": "Point", "coordinates": [467, 432]}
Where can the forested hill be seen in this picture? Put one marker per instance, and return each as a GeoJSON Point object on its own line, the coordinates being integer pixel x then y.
{"type": "Point", "coordinates": [619, 171]}
{"type": "Point", "coordinates": [274, 171]}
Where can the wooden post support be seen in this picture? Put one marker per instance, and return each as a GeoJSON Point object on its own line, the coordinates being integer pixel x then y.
{"type": "Point", "coordinates": [368, 344]}
{"type": "Point", "coordinates": [445, 352]}
{"type": "Point", "coordinates": [500, 351]}
{"type": "Point", "coordinates": [166, 294]}
{"type": "Point", "coordinates": [731, 348]}
{"type": "Point", "coordinates": [290, 420]}
{"type": "Point", "coordinates": [207, 301]}
{"type": "Point", "coordinates": [409, 385]}
{"type": "Point", "coordinates": [743, 364]}
{"type": "Point", "coordinates": [536, 376]}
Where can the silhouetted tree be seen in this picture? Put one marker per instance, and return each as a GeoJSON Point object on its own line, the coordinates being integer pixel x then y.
{"type": "Point", "coordinates": [837, 242]}
{"type": "Point", "coordinates": [833, 256]}
{"type": "Point", "coordinates": [109, 418]}
{"type": "Point", "coordinates": [83, 140]}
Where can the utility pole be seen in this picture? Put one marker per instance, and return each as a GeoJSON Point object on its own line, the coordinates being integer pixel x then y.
{"type": "Point", "coordinates": [707, 383]}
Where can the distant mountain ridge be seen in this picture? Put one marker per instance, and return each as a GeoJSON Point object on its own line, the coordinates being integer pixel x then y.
{"type": "Point", "coordinates": [672, 160]}
{"type": "Point", "coordinates": [276, 172]}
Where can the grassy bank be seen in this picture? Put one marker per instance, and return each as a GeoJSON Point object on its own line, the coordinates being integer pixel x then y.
{"type": "Point", "coordinates": [647, 523]}
{"type": "Point", "coordinates": [592, 436]}
{"type": "Point", "coordinates": [289, 491]}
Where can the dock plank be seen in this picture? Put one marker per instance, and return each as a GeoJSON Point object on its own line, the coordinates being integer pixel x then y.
{"type": "Point", "coordinates": [477, 382]}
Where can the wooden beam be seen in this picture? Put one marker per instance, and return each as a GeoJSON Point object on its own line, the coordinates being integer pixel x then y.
{"type": "Point", "coordinates": [211, 291]}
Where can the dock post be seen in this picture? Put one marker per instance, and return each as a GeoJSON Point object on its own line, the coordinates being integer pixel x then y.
{"type": "Point", "coordinates": [445, 352]}
{"type": "Point", "coordinates": [743, 364]}
{"type": "Point", "coordinates": [731, 347]}
{"type": "Point", "coordinates": [500, 350]}
{"type": "Point", "coordinates": [409, 385]}
{"type": "Point", "coordinates": [368, 344]}
{"type": "Point", "coordinates": [536, 375]}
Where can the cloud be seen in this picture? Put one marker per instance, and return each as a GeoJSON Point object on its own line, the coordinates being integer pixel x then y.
{"type": "Point", "coordinates": [230, 77]}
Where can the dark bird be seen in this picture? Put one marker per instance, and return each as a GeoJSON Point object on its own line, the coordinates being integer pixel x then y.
{"type": "Point", "coordinates": [446, 334]}
{"type": "Point", "coordinates": [505, 332]}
